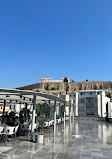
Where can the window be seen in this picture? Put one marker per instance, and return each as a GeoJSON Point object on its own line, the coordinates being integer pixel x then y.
{"type": "Point", "coordinates": [98, 93]}
{"type": "Point", "coordinates": [82, 93]}
{"type": "Point", "coordinates": [10, 106]}
{"type": "Point", "coordinates": [90, 93]}
{"type": "Point", "coordinates": [70, 95]}
{"type": "Point", "coordinates": [83, 100]}
{"type": "Point", "coordinates": [89, 100]}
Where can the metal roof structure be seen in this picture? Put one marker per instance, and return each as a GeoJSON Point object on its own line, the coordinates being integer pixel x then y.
{"type": "Point", "coordinates": [32, 98]}
{"type": "Point", "coordinates": [25, 96]}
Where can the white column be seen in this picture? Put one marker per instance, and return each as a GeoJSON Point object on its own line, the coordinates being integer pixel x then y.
{"type": "Point", "coordinates": [33, 118]}
{"type": "Point", "coordinates": [99, 105]}
{"type": "Point", "coordinates": [70, 119]}
{"type": "Point", "coordinates": [3, 117]}
{"type": "Point", "coordinates": [64, 116]}
{"type": "Point", "coordinates": [54, 116]}
{"type": "Point", "coordinates": [76, 103]}
{"type": "Point", "coordinates": [25, 111]}
{"type": "Point", "coordinates": [20, 107]}
{"type": "Point", "coordinates": [58, 110]}
{"type": "Point", "coordinates": [70, 114]}
{"type": "Point", "coordinates": [73, 105]}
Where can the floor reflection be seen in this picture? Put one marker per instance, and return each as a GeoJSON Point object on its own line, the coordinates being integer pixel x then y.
{"type": "Point", "coordinates": [83, 138]}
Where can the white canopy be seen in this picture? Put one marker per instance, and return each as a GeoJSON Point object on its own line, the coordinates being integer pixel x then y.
{"type": "Point", "coordinates": [32, 98]}
{"type": "Point", "coordinates": [25, 96]}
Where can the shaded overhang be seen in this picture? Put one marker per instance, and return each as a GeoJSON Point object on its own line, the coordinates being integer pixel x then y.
{"type": "Point", "coordinates": [25, 96]}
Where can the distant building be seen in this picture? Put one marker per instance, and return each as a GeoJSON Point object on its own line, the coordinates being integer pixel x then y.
{"type": "Point", "coordinates": [110, 110]}
{"type": "Point", "coordinates": [51, 80]}
{"type": "Point", "coordinates": [6, 107]}
{"type": "Point", "coordinates": [91, 102]}
{"type": "Point", "coordinates": [17, 107]}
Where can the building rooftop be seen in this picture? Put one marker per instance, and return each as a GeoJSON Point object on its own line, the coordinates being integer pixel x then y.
{"type": "Point", "coordinates": [90, 91]}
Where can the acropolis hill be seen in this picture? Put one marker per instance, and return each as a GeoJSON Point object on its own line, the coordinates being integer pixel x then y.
{"type": "Point", "coordinates": [59, 86]}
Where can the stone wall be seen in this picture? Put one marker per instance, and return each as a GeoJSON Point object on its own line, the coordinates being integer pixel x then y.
{"type": "Point", "coordinates": [72, 86]}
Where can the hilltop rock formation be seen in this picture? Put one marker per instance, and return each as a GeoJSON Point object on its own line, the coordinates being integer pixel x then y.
{"type": "Point", "coordinates": [65, 87]}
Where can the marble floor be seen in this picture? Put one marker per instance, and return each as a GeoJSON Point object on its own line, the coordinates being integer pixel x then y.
{"type": "Point", "coordinates": [84, 139]}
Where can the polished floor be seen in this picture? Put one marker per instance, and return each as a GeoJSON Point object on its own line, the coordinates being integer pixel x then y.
{"type": "Point", "coordinates": [84, 139]}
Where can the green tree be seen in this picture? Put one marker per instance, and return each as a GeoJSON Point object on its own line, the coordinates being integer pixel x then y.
{"type": "Point", "coordinates": [47, 88]}
{"type": "Point", "coordinates": [53, 88]}
{"type": "Point", "coordinates": [41, 121]}
{"type": "Point", "coordinates": [39, 111]}
{"type": "Point", "coordinates": [65, 79]}
{"type": "Point", "coordinates": [109, 95]}
{"type": "Point", "coordinates": [23, 110]}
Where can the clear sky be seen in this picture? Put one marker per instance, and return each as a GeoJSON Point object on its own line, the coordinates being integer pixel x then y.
{"type": "Point", "coordinates": [55, 38]}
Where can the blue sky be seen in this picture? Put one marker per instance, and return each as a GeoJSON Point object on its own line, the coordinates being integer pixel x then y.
{"type": "Point", "coordinates": [54, 38]}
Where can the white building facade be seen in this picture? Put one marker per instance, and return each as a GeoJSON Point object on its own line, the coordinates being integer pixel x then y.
{"type": "Point", "coordinates": [17, 107]}
{"type": "Point", "coordinates": [90, 103]}
{"type": "Point", "coordinates": [86, 103]}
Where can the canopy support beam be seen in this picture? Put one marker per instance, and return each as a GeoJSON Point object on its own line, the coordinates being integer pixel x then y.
{"type": "Point", "coordinates": [54, 116]}
{"type": "Point", "coordinates": [64, 116]}
{"type": "Point", "coordinates": [25, 111]}
{"type": "Point", "coordinates": [3, 116]}
{"type": "Point", "coordinates": [73, 110]}
{"type": "Point", "coordinates": [33, 118]}
{"type": "Point", "coordinates": [70, 115]}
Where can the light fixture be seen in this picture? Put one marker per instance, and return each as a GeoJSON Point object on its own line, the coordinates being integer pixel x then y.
{"type": "Point", "coordinates": [7, 95]}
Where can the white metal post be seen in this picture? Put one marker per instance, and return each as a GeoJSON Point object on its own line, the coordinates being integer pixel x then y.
{"type": "Point", "coordinates": [33, 118]}
{"type": "Point", "coordinates": [70, 114]}
{"type": "Point", "coordinates": [54, 116]}
{"type": "Point", "coordinates": [64, 116]}
{"type": "Point", "coordinates": [25, 111]}
{"type": "Point", "coordinates": [73, 105]}
{"type": "Point", "coordinates": [3, 117]}
{"type": "Point", "coordinates": [76, 103]}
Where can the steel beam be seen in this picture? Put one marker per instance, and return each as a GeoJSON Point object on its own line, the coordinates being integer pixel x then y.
{"type": "Point", "coordinates": [3, 116]}
{"type": "Point", "coordinates": [33, 118]}
{"type": "Point", "coordinates": [54, 116]}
